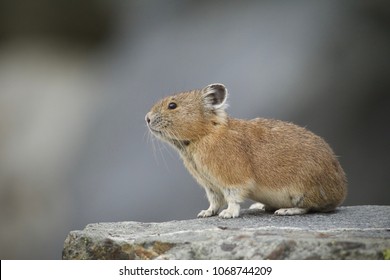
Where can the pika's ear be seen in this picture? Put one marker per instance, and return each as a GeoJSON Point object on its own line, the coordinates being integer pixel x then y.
{"type": "Point", "coordinates": [215, 96]}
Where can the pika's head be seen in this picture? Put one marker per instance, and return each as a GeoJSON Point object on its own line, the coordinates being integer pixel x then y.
{"type": "Point", "coordinates": [187, 116]}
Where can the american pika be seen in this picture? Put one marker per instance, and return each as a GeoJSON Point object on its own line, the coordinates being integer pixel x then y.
{"type": "Point", "coordinates": [281, 166]}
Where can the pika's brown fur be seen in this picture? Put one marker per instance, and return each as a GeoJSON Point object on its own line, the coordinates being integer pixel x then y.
{"type": "Point", "coordinates": [280, 165]}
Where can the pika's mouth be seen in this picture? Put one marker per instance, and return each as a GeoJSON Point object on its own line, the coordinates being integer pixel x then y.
{"type": "Point", "coordinates": [180, 144]}
{"type": "Point", "coordinates": [158, 133]}
{"type": "Point", "coordinates": [154, 131]}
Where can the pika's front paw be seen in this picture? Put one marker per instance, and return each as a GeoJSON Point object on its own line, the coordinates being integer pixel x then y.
{"type": "Point", "coordinates": [228, 213]}
{"type": "Point", "coordinates": [206, 213]}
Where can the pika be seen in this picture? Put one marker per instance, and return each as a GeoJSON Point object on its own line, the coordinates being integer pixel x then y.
{"type": "Point", "coordinates": [282, 167]}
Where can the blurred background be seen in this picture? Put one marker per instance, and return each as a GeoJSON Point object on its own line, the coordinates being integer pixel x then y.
{"type": "Point", "coordinates": [78, 77]}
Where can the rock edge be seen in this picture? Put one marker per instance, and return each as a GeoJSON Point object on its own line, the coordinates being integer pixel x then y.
{"type": "Point", "coordinates": [352, 232]}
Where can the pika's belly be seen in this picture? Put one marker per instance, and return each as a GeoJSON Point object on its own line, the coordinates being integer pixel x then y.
{"type": "Point", "coordinates": [276, 198]}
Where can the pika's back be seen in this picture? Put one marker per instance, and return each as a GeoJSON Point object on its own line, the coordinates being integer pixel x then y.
{"type": "Point", "coordinates": [283, 151]}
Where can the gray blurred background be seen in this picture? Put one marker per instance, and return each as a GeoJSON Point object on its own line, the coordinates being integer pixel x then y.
{"type": "Point", "coordinates": [78, 77]}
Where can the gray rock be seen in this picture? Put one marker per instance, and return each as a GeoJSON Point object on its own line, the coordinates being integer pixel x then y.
{"type": "Point", "coordinates": [354, 232]}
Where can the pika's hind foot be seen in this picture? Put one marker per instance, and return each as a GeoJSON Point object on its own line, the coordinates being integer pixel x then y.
{"type": "Point", "coordinates": [291, 211]}
{"type": "Point", "coordinates": [261, 207]}
{"type": "Point", "coordinates": [257, 206]}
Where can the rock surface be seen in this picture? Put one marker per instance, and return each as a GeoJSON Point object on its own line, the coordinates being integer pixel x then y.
{"type": "Point", "coordinates": [354, 232]}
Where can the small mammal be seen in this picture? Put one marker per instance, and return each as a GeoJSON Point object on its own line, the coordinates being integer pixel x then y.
{"type": "Point", "coordinates": [281, 166]}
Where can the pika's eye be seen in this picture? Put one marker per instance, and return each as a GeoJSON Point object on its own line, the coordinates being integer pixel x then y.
{"type": "Point", "coordinates": [172, 105]}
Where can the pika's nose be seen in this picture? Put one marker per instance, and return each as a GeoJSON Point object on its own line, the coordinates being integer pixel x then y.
{"type": "Point", "coordinates": [147, 119]}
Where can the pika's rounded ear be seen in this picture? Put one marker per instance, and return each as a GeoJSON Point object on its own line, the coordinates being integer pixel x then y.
{"type": "Point", "coordinates": [215, 96]}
